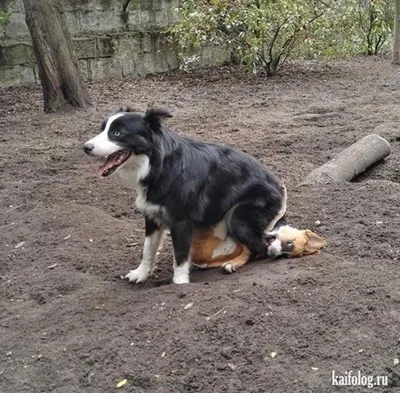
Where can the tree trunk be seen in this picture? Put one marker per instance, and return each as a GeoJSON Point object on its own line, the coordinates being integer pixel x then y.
{"type": "Point", "coordinates": [52, 44]}
{"type": "Point", "coordinates": [351, 162]}
{"type": "Point", "coordinates": [396, 34]}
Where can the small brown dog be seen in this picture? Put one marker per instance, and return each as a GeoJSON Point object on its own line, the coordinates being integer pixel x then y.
{"type": "Point", "coordinates": [213, 247]}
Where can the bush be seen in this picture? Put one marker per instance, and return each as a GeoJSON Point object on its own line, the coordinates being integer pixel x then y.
{"type": "Point", "coordinates": [4, 17]}
{"type": "Point", "coordinates": [262, 34]}
{"type": "Point", "coordinates": [376, 24]}
{"type": "Point", "coordinates": [349, 28]}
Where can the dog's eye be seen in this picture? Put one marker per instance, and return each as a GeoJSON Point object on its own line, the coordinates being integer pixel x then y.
{"type": "Point", "coordinates": [117, 133]}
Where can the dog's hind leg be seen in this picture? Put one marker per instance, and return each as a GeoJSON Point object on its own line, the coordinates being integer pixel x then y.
{"type": "Point", "coordinates": [181, 234]}
{"type": "Point", "coordinates": [230, 265]}
{"type": "Point", "coordinates": [247, 223]}
{"type": "Point", "coordinates": [152, 243]}
{"type": "Point", "coordinates": [234, 264]}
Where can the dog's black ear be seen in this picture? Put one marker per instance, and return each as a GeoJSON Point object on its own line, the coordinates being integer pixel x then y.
{"type": "Point", "coordinates": [154, 116]}
{"type": "Point", "coordinates": [126, 109]}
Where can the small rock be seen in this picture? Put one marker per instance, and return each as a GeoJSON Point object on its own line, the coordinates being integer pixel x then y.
{"type": "Point", "coordinates": [360, 351]}
{"type": "Point", "coordinates": [314, 368]}
{"type": "Point", "coordinates": [273, 355]}
{"type": "Point", "coordinates": [396, 362]}
{"type": "Point", "coordinates": [221, 367]}
{"type": "Point", "coordinates": [9, 353]}
{"type": "Point", "coordinates": [225, 352]}
{"type": "Point", "coordinates": [317, 223]}
{"type": "Point", "coordinates": [232, 366]}
{"type": "Point", "coordinates": [189, 305]}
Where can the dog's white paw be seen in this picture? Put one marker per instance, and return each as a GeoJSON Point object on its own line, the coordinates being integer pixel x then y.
{"type": "Point", "coordinates": [138, 275]}
{"type": "Point", "coordinates": [181, 279]}
{"type": "Point", "coordinates": [181, 273]}
{"type": "Point", "coordinates": [227, 267]}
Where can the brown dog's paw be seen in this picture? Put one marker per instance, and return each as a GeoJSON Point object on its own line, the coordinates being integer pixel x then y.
{"type": "Point", "coordinates": [228, 268]}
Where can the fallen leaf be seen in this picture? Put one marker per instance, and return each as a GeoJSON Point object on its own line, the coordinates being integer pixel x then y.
{"type": "Point", "coordinates": [122, 383]}
{"type": "Point", "coordinates": [20, 245]}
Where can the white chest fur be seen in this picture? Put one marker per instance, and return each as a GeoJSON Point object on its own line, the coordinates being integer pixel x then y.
{"type": "Point", "coordinates": [147, 208]}
{"type": "Point", "coordinates": [131, 173]}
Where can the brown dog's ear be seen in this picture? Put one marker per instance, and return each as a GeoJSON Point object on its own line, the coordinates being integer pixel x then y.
{"type": "Point", "coordinates": [153, 116]}
{"type": "Point", "coordinates": [314, 243]}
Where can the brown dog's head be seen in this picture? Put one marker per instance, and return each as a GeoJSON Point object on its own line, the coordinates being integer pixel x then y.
{"type": "Point", "coordinates": [293, 242]}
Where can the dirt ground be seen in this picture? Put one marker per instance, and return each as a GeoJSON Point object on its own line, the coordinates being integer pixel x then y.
{"type": "Point", "coordinates": [68, 323]}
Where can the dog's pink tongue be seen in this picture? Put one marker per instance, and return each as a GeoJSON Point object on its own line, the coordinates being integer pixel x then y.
{"type": "Point", "coordinates": [107, 165]}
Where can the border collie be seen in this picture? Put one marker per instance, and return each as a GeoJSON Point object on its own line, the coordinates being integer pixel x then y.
{"type": "Point", "coordinates": [185, 186]}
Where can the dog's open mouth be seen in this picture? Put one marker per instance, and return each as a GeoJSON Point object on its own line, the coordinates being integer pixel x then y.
{"type": "Point", "coordinates": [268, 239]}
{"type": "Point", "coordinates": [112, 162]}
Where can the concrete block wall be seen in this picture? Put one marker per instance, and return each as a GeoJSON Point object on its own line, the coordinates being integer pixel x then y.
{"type": "Point", "coordinates": [110, 42]}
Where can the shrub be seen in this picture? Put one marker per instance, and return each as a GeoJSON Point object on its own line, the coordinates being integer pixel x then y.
{"type": "Point", "coordinates": [4, 17]}
{"type": "Point", "coordinates": [262, 34]}
{"type": "Point", "coordinates": [349, 28]}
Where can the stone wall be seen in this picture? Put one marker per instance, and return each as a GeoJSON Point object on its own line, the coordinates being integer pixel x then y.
{"type": "Point", "coordinates": [110, 41]}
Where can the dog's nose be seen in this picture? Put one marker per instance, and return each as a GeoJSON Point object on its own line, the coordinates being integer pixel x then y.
{"type": "Point", "coordinates": [88, 148]}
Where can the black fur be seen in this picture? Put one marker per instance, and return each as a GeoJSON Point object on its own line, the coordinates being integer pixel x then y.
{"type": "Point", "coordinates": [197, 184]}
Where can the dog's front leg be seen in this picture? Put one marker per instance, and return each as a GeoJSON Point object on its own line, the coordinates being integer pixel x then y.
{"type": "Point", "coordinates": [181, 234]}
{"type": "Point", "coordinates": [152, 242]}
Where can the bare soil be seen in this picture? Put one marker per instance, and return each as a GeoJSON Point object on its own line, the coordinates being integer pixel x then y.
{"type": "Point", "coordinates": [68, 323]}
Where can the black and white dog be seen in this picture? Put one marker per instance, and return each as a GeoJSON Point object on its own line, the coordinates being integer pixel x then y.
{"type": "Point", "coordinates": [183, 185]}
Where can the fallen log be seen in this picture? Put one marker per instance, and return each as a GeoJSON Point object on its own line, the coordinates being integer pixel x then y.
{"type": "Point", "coordinates": [351, 162]}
